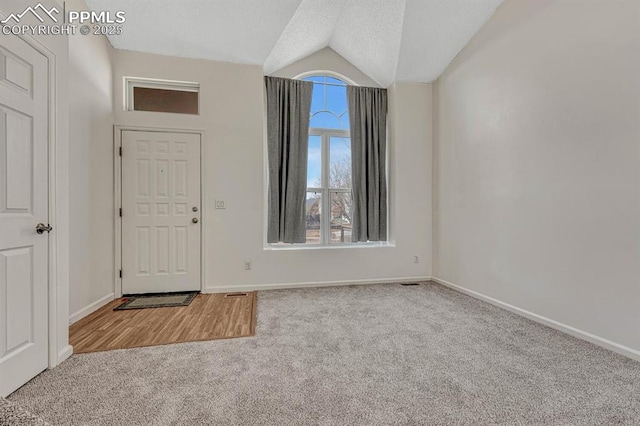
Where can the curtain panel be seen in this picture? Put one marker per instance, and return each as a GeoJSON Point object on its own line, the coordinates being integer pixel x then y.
{"type": "Point", "coordinates": [288, 113]}
{"type": "Point", "coordinates": [368, 120]}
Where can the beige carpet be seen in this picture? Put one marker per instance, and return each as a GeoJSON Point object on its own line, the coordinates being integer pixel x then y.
{"type": "Point", "coordinates": [366, 355]}
{"type": "Point", "coordinates": [13, 415]}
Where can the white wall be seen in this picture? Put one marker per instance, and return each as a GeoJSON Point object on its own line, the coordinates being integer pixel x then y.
{"type": "Point", "coordinates": [326, 60]}
{"type": "Point", "coordinates": [410, 166]}
{"type": "Point", "coordinates": [90, 171]}
{"type": "Point", "coordinates": [537, 156]}
{"type": "Point", "coordinates": [232, 110]}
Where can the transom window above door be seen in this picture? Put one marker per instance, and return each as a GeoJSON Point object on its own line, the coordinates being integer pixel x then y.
{"type": "Point", "coordinates": [329, 200]}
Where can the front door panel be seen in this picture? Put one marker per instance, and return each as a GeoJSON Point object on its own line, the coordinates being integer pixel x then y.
{"type": "Point", "coordinates": [160, 212]}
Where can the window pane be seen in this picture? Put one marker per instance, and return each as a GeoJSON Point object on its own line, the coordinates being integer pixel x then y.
{"type": "Point", "coordinates": [344, 119]}
{"type": "Point", "coordinates": [340, 162]}
{"type": "Point", "coordinates": [337, 99]}
{"type": "Point", "coordinates": [317, 98]}
{"type": "Point", "coordinates": [161, 100]}
{"type": "Point", "coordinates": [314, 164]}
{"type": "Point", "coordinates": [312, 218]}
{"type": "Point", "coordinates": [341, 208]}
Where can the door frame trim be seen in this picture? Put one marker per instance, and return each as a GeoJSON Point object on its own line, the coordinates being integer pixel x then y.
{"type": "Point", "coordinates": [117, 198]}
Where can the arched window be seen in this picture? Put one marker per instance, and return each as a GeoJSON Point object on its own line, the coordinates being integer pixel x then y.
{"type": "Point", "coordinates": [329, 103]}
{"type": "Point", "coordinates": [328, 205]}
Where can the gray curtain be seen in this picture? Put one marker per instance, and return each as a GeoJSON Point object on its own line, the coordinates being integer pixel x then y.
{"type": "Point", "coordinates": [288, 112]}
{"type": "Point", "coordinates": [368, 120]}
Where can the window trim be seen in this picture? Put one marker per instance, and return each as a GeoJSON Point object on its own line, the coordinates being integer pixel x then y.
{"type": "Point", "coordinates": [349, 245]}
{"type": "Point", "coordinates": [326, 73]}
{"type": "Point", "coordinates": [152, 83]}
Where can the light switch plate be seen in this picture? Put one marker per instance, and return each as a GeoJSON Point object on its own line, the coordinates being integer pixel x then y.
{"type": "Point", "coordinates": [220, 204]}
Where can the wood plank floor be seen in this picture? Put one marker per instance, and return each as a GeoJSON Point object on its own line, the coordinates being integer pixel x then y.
{"type": "Point", "coordinates": [208, 317]}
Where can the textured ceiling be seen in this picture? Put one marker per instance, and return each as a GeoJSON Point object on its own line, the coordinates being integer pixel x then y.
{"type": "Point", "coordinates": [388, 40]}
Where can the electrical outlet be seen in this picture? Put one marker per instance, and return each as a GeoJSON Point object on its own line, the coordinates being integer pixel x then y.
{"type": "Point", "coordinates": [247, 264]}
{"type": "Point", "coordinates": [416, 259]}
{"type": "Point", "coordinates": [220, 204]}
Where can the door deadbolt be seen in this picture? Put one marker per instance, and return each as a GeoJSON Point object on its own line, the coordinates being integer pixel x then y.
{"type": "Point", "coordinates": [195, 209]}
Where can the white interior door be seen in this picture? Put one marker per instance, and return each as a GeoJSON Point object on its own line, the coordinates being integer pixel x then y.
{"type": "Point", "coordinates": [24, 253]}
{"type": "Point", "coordinates": [160, 212]}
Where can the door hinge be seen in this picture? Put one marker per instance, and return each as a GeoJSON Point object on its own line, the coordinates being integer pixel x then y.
{"type": "Point", "coordinates": [120, 211]}
{"type": "Point", "coordinates": [120, 151]}
{"type": "Point", "coordinates": [120, 273]}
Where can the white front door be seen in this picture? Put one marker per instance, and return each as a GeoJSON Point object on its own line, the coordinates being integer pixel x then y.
{"type": "Point", "coordinates": [160, 212]}
{"type": "Point", "coordinates": [24, 254]}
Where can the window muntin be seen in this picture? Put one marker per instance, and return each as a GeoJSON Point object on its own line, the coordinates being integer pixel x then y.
{"type": "Point", "coordinates": [328, 202]}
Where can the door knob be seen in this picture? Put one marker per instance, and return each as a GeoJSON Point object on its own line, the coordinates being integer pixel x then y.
{"type": "Point", "coordinates": [41, 228]}
{"type": "Point", "coordinates": [194, 220]}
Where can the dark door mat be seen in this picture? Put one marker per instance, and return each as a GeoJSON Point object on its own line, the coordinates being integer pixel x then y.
{"type": "Point", "coordinates": [157, 300]}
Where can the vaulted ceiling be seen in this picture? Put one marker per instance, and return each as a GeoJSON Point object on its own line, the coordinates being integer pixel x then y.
{"type": "Point", "coordinates": [389, 40]}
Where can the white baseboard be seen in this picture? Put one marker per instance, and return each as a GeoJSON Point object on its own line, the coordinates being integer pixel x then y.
{"type": "Point", "coordinates": [91, 308]}
{"type": "Point", "coordinates": [65, 353]}
{"type": "Point", "coordinates": [575, 332]}
{"type": "Point", "coordinates": [259, 287]}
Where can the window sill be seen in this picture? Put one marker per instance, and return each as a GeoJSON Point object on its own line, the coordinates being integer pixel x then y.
{"type": "Point", "coordinates": [274, 247]}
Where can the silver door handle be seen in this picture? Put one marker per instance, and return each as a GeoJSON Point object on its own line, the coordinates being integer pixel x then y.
{"type": "Point", "coordinates": [41, 228]}
{"type": "Point", "coordinates": [194, 220]}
